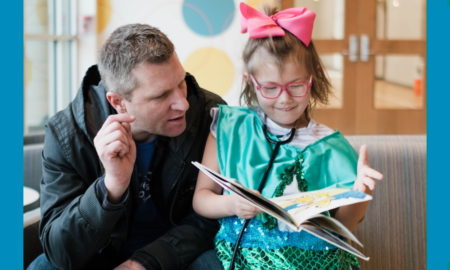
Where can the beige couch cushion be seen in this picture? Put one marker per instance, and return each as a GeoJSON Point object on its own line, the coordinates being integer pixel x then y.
{"type": "Point", "coordinates": [394, 230]}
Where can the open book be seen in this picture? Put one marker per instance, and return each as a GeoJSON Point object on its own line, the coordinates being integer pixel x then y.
{"type": "Point", "coordinates": [302, 211]}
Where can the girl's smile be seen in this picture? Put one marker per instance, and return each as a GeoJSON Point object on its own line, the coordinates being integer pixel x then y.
{"type": "Point", "coordinates": [286, 109]}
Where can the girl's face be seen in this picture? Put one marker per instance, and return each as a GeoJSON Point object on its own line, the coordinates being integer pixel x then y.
{"type": "Point", "coordinates": [284, 110]}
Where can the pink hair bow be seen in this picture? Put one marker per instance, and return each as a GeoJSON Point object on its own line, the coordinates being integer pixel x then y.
{"type": "Point", "coordinates": [299, 21]}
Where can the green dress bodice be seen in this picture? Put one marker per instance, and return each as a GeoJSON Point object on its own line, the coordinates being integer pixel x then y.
{"type": "Point", "coordinates": [243, 154]}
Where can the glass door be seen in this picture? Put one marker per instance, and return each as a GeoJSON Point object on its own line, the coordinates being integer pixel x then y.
{"type": "Point", "coordinates": [374, 53]}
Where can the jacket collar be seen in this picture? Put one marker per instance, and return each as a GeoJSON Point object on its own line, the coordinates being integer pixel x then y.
{"type": "Point", "coordinates": [90, 107]}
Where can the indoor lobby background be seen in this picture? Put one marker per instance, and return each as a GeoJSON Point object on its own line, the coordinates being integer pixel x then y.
{"type": "Point", "coordinates": [374, 52]}
{"type": "Point", "coordinates": [376, 64]}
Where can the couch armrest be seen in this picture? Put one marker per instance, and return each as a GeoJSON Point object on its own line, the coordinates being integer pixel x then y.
{"type": "Point", "coordinates": [31, 244]}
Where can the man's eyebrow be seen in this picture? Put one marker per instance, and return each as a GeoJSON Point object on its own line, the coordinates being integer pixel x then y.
{"type": "Point", "coordinates": [165, 91]}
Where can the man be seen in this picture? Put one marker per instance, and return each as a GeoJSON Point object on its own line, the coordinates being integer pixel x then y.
{"type": "Point", "coordinates": [117, 180]}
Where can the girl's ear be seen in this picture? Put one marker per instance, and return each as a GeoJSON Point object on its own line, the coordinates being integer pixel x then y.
{"type": "Point", "coordinates": [116, 101]}
{"type": "Point", "coordinates": [246, 77]}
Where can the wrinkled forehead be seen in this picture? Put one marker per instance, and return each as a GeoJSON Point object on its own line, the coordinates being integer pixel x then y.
{"type": "Point", "coordinates": [156, 78]}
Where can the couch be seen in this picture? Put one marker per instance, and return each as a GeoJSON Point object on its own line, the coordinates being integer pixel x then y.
{"type": "Point", "coordinates": [393, 230]}
{"type": "Point", "coordinates": [32, 164]}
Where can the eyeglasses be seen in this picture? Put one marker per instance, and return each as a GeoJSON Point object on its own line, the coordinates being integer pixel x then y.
{"type": "Point", "coordinates": [273, 90]}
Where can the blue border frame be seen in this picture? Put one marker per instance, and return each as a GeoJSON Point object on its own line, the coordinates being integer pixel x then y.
{"type": "Point", "coordinates": [11, 70]}
{"type": "Point", "coordinates": [438, 59]}
{"type": "Point", "coordinates": [438, 184]}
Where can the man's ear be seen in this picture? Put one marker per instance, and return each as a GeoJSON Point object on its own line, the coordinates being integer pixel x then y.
{"type": "Point", "coordinates": [116, 101]}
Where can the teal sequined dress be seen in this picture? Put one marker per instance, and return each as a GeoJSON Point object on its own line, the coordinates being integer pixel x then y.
{"type": "Point", "coordinates": [243, 153]}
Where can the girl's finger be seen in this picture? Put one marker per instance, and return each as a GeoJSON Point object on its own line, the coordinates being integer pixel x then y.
{"type": "Point", "coordinates": [363, 159]}
{"type": "Point", "coordinates": [372, 173]}
{"type": "Point", "coordinates": [369, 182]}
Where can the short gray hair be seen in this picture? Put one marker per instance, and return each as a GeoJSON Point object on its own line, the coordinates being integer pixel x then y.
{"type": "Point", "coordinates": [127, 47]}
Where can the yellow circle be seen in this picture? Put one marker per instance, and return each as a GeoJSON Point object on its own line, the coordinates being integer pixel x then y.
{"type": "Point", "coordinates": [103, 14]}
{"type": "Point", "coordinates": [212, 68]}
{"type": "Point", "coordinates": [259, 4]}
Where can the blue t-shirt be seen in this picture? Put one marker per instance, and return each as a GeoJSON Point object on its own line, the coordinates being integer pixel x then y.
{"type": "Point", "coordinates": [146, 223]}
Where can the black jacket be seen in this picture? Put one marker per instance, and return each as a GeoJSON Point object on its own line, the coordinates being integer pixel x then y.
{"type": "Point", "coordinates": [76, 231]}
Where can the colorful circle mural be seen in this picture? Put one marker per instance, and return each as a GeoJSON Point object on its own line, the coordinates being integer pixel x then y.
{"type": "Point", "coordinates": [103, 15]}
{"type": "Point", "coordinates": [213, 69]}
{"type": "Point", "coordinates": [258, 4]}
{"type": "Point", "coordinates": [208, 18]}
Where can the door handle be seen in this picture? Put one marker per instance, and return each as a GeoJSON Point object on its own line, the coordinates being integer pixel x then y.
{"type": "Point", "coordinates": [365, 48]}
{"type": "Point", "coordinates": [352, 51]}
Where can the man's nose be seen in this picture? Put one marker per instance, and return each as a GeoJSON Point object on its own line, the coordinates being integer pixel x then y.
{"type": "Point", "coordinates": [180, 102]}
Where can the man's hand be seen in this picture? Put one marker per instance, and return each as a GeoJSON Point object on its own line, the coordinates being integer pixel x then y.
{"type": "Point", "coordinates": [117, 152]}
{"type": "Point", "coordinates": [367, 177]}
{"type": "Point", "coordinates": [130, 265]}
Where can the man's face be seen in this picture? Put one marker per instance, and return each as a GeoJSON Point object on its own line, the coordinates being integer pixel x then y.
{"type": "Point", "coordinates": [159, 102]}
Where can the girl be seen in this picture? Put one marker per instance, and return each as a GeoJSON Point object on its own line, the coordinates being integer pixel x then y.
{"type": "Point", "coordinates": [274, 147]}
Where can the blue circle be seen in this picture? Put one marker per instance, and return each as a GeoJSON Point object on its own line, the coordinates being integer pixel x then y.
{"type": "Point", "coordinates": [208, 18]}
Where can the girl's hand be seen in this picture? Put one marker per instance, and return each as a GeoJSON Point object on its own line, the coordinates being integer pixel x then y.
{"type": "Point", "coordinates": [366, 177]}
{"type": "Point", "coordinates": [242, 208]}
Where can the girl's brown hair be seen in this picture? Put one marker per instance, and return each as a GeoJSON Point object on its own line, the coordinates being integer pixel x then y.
{"type": "Point", "coordinates": [282, 48]}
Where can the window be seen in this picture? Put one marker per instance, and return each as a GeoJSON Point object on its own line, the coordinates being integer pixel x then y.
{"type": "Point", "coordinates": [50, 55]}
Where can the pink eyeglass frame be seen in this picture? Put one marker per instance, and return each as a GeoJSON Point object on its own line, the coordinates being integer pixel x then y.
{"type": "Point", "coordinates": [283, 87]}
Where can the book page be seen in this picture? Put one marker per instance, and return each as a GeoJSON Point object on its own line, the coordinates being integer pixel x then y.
{"type": "Point", "coordinates": [254, 198]}
{"type": "Point", "coordinates": [301, 211]}
{"type": "Point", "coordinates": [333, 225]}
{"type": "Point", "coordinates": [304, 205]}
{"type": "Point", "coordinates": [332, 239]}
